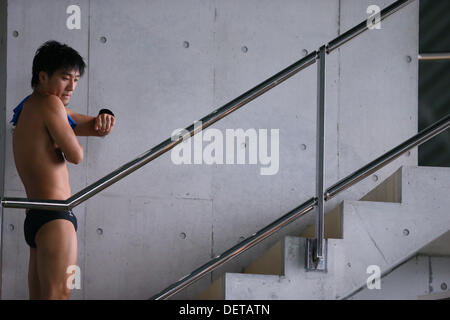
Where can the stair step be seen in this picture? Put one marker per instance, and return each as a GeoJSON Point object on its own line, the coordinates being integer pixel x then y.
{"type": "Point", "coordinates": [383, 234]}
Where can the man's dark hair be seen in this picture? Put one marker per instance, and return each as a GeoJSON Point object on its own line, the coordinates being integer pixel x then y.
{"type": "Point", "coordinates": [53, 56]}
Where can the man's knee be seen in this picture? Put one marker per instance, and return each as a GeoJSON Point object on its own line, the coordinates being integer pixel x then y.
{"type": "Point", "coordinates": [56, 292]}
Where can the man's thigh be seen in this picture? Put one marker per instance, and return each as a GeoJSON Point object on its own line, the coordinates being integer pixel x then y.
{"type": "Point", "coordinates": [33, 279]}
{"type": "Point", "coordinates": [56, 243]}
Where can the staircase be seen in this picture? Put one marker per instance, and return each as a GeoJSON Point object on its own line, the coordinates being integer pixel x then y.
{"type": "Point", "coordinates": [388, 226]}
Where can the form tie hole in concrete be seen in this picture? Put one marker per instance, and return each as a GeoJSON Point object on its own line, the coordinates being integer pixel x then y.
{"type": "Point", "coordinates": [15, 33]}
{"type": "Point", "coordinates": [304, 52]}
{"type": "Point", "coordinates": [186, 44]}
{"type": "Point", "coordinates": [406, 232]}
{"type": "Point", "coordinates": [408, 59]}
{"type": "Point", "coordinates": [182, 235]}
{"type": "Point", "coordinates": [375, 177]}
{"type": "Point", "coordinates": [11, 227]}
{"type": "Point", "coordinates": [103, 39]}
{"type": "Point", "coordinates": [303, 146]}
{"type": "Point", "coordinates": [244, 49]}
{"type": "Point", "coordinates": [99, 231]}
{"type": "Point", "coordinates": [443, 286]}
{"type": "Point", "coordinates": [408, 153]}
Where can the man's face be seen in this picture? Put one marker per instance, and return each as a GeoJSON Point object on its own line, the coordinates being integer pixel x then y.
{"type": "Point", "coordinates": [62, 83]}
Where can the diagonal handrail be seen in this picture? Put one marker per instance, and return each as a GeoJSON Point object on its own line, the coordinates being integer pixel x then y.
{"type": "Point", "coordinates": [378, 163]}
{"type": "Point", "coordinates": [163, 147]}
{"type": "Point", "coordinates": [320, 195]}
{"type": "Point", "coordinates": [306, 207]}
{"type": "Point", "coordinates": [242, 246]}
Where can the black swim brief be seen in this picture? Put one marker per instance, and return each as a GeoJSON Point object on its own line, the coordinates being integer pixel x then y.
{"type": "Point", "coordinates": [36, 218]}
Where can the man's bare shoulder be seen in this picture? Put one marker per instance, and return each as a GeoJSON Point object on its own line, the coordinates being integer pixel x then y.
{"type": "Point", "coordinates": [49, 102]}
{"type": "Point", "coordinates": [49, 105]}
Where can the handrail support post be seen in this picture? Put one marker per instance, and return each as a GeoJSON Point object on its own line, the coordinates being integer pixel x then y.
{"type": "Point", "coordinates": [317, 252]}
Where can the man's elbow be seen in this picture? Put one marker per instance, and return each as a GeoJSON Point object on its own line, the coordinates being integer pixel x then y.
{"type": "Point", "coordinates": [77, 157]}
{"type": "Point", "coordinates": [77, 160]}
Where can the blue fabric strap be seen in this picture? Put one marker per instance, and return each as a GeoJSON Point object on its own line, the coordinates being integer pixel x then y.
{"type": "Point", "coordinates": [71, 121]}
{"type": "Point", "coordinates": [17, 110]}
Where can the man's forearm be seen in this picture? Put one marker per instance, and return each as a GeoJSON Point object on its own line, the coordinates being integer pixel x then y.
{"type": "Point", "coordinates": [85, 126]}
{"type": "Point", "coordinates": [99, 126]}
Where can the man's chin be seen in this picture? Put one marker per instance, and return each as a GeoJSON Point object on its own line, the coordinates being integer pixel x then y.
{"type": "Point", "coordinates": [65, 101]}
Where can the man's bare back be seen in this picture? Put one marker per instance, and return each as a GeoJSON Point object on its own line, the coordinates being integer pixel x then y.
{"type": "Point", "coordinates": [39, 161]}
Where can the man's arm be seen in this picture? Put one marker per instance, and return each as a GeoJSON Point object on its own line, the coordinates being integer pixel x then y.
{"type": "Point", "coordinates": [56, 123]}
{"type": "Point", "coordinates": [92, 126]}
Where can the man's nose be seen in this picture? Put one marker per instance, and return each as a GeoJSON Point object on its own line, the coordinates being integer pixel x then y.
{"type": "Point", "coordinates": [71, 86]}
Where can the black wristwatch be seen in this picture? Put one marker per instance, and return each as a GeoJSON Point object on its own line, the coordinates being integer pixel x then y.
{"type": "Point", "coordinates": [106, 111]}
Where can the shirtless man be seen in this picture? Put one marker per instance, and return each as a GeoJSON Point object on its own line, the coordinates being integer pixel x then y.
{"type": "Point", "coordinates": [44, 138]}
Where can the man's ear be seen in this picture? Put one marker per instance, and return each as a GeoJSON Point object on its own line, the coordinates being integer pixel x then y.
{"type": "Point", "coordinates": [43, 77]}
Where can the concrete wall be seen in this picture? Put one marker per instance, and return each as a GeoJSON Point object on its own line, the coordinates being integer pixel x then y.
{"type": "Point", "coordinates": [2, 113]}
{"type": "Point", "coordinates": [161, 65]}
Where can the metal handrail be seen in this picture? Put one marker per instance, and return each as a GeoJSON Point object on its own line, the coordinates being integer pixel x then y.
{"type": "Point", "coordinates": [164, 146]}
{"type": "Point", "coordinates": [434, 56]}
{"type": "Point", "coordinates": [343, 184]}
{"type": "Point", "coordinates": [363, 26]}
{"type": "Point", "coordinates": [155, 152]}
{"type": "Point", "coordinates": [389, 156]}
{"type": "Point", "coordinates": [307, 206]}
{"type": "Point", "coordinates": [237, 249]}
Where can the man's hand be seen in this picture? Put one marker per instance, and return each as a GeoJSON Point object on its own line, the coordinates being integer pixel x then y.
{"type": "Point", "coordinates": [104, 123]}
